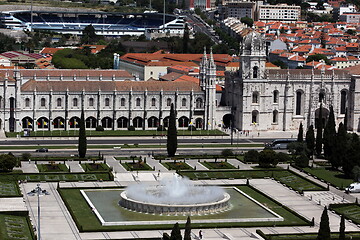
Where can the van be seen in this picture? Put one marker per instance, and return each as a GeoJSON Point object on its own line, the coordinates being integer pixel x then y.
{"type": "Point", "coordinates": [353, 188]}
{"type": "Point", "coordinates": [280, 143]}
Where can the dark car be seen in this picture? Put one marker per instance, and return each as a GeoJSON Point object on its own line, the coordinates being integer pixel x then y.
{"type": "Point", "coordinates": [42, 150]}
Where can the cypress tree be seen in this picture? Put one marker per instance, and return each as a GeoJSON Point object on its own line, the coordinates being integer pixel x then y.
{"type": "Point", "coordinates": [187, 234]}
{"type": "Point", "coordinates": [324, 230]}
{"type": "Point", "coordinates": [319, 134]}
{"type": "Point", "coordinates": [172, 133]}
{"type": "Point", "coordinates": [185, 39]}
{"type": "Point", "coordinates": [175, 233]}
{"type": "Point", "coordinates": [329, 136]}
{"type": "Point", "coordinates": [310, 140]}
{"type": "Point", "coordinates": [342, 228]}
{"type": "Point", "coordinates": [300, 137]}
{"type": "Point", "coordinates": [352, 156]}
{"type": "Point", "coordinates": [82, 136]}
{"type": "Point", "coordinates": [340, 147]}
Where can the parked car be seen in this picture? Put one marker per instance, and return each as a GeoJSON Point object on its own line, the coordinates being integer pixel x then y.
{"type": "Point", "coordinates": [353, 188]}
{"type": "Point", "coordinates": [42, 150]}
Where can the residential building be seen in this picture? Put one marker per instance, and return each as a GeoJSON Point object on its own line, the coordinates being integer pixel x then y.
{"type": "Point", "coordinates": [279, 12]}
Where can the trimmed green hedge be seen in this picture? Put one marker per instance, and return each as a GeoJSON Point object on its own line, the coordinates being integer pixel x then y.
{"type": "Point", "coordinates": [55, 177]}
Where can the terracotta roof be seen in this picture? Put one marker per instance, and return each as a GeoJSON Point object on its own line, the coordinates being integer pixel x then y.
{"type": "Point", "coordinates": [94, 48]}
{"type": "Point", "coordinates": [184, 68]}
{"type": "Point", "coordinates": [354, 70]}
{"type": "Point", "coordinates": [94, 86]}
{"type": "Point", "coordinates": [186, 78]}
{"type": "Point", "coordinates": [170, 76]}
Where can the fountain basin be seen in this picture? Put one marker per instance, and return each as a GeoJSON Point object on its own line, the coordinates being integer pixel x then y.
{"type": "Point", "coordinates": [175, 209]}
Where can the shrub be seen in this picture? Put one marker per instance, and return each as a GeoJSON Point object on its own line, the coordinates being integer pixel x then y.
{"type": "Point", "coordinates": [227, 152]}
{"type": "Point", "coordinates": [302, 161]}
{"type": "Point", "coordinates": [251, 156]}
{"type": "Point", "coordinates": [25, 156]}
{"type": "Point", "coordinates": [131, 128]}
{"type": "Point", "coordinates": [161, 128]}
{"type": "Point", "coordinates": [191, 128]}
{"type": "Point", "coordinates": [267, 158]}
{"type": "Point", "coordinates": [100, 128]}
{"type": "Point", "coordinates": [283, 157]}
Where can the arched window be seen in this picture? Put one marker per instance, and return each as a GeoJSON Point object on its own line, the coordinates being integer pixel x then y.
{"type": "Point", "coordinates": [42, 102]}
{"type": "Point", "coordinates": [27, 102]}
{"type": "Point", "coordinates": [75, 102]}
{"type": "Point", "coordinates": [168, 102]}
{"type": "Point", "coordinates": [299, 101]}
{"type": "Point", "coordinates": [122, 102]}
{"type": "Point", "coordinates": [199, 103]}
{"type": "Point", "coordinates": [138, 102]}
{"type": "Point", "coordinates": [91, 102]}
{"type": "Point", "coordinates": [255, 117]}
{"type": "Point", "coordinates": [107, 102]}
{"type": "Point", "coordinates": [343, 101]}
{"type": "Point", "coordinates": [153, 102]}
{"type": "Point", "coordinates": [59, 102]}
{"type": "Point", "coordinates": [276, 96]}
{"type": "Point", "coordinates": [255, 97]}
{"type": "Point", "coordinates": [183, 102]}
{"type": "Point", "coordinates": [275, 116]}
{"type": "Point", "coordinates": [255, 71]}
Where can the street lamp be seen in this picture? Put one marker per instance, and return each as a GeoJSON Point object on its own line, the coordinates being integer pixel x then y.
{"type": "Point", "coordinates": [38, 191]}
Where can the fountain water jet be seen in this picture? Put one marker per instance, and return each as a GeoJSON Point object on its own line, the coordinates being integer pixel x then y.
{"type": "Point", "coordinates": [174, 196]}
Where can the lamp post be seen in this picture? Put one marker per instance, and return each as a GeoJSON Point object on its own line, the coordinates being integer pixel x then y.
{"type": "Point", "coordinates": [38, 191]}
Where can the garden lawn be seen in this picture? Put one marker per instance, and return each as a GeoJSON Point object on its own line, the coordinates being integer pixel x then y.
{"type": "Point", "coordinates": [52, 167]}
{"type": "Point", "coordinates": [10, 189]}
{"type": "Point", "coordinates": [15, 226]}
{"type": "Point", "coordinates": [289, 178]}
{"type": "Point", "coordinates": [177, 165]}
{"type": "Point", "coordinates": [137, 166]}
{"type": "Point", "coordinates": [350, 211]}
{"type": "Point", "coordinates": [55, 177]}
{"type": "Point", "coordinates": [218, 165]}
{"type": "Point", "coordinates": [95, 167]}
{"type": "Point", "coordinates": [309, 236]}
{"type": "Point", "coordinates": [335, 177]}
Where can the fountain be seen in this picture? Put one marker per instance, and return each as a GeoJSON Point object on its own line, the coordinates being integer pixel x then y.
{"type": "Point", "coordinates": [175, 196]}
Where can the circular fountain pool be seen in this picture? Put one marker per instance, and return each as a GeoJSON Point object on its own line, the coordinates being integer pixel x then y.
{"type": "Point", "coordinates": [175, 196]}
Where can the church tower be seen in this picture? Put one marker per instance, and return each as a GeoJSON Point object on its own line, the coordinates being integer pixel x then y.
{"type": "Point", "coordinates": [209, 86]}
{"type": "Point", "coordinates": [202, 73]}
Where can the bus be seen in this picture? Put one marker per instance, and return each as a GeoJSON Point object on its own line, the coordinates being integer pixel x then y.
{"type": "Point", "coordinates": [280, 143]}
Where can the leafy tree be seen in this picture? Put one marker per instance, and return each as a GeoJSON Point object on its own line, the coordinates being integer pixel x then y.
{"type": "Point", "coordinates": [248, 21]}
{"type": "Point", "coordinates": [356, 173]}
{"type": "Point", "coordinates": [324, 230]}
{"type": "Point", "coordinates": [342, 235]}
{"type": "Point", "coordinates": [329, 138]}
{"type": "Point", "coordinates": [318, 145]}
{"type": "Point", "coordinates": [7, 162]}
{"type": "Point", "coordinates": [175, 233]}
{"type": "Point", "coordinates": [89, 35]}
{"type": "Point", "coordinates": [300, 136]}
{"type": "Point", "coordinates": [187, 233]}
{"type": "Point", "coordinates": [172, 133]}
{"type": "Point", "coordinates": [346, 120]}
{"type": "Point", "coordinates": [352, 157]}
{"type": "Point", "coordinates": [25, 156]}
{"type": "Point", "coordinates": [251, 156]}
{"type": "Point", "coordinates": [317, 58]}
{"type": "Point", "coordinates": [267, 158]}
{"type": "Point", "coordinates": [82, 137]}
{"type": "Point", "coordinates": [301, 160]}
{"type": "Point", "coordinates": [283, 157]}
{"type": "Point", "coordinates": [310, 140]}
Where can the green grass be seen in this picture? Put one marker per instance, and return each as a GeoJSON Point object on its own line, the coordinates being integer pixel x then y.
{"type": "Point", "coordinates": [62, 159]}
{"type": "Point", "coordinates": [87, 221]}
{"type": "Point", "coordinates": [182, 157]}
{"type": "Point", "coordinates": [95, 167]}
{"type": "Point", "coordinates": [289, 178]}
{"type": "Point", "coordinates": [52, 167]}
{"type": "Point", "coordinates": [55, 177]}
{"type": "Point", "coordinates": [137, 166]}
{"type": "Point", "coordinates": [335, 177]}
{"type": "Point", "coordinates": [350, 211]}
{"type": "Point", "coordinates": [177, 165]}
{"type": "Point", "coordinates": [218, 165]}
{"type": "Point", "coordinates": [119, 133]}
{"type": "Point", "coordinates": [15, 226]}
{"type": "Point", "coordinates": [309, 236]}
{"type": "Point", "coordinates": [9, 189]}
{"type": "Point", "coordinates": [127, 158]}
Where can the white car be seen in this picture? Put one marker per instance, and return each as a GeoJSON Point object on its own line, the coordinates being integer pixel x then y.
{"type": "Point", "coordinates": [353, 188]}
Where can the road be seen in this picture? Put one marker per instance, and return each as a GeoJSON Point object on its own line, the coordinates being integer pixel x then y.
{"type": "Point", "coordinates": [199, 26]}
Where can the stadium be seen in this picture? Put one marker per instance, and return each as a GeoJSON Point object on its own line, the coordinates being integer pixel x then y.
{"type": "Point", "coordinates": [106, 24]}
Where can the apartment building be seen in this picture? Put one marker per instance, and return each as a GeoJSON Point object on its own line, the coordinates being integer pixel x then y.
{"type": "Point", "coordinates": [280, 12]}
